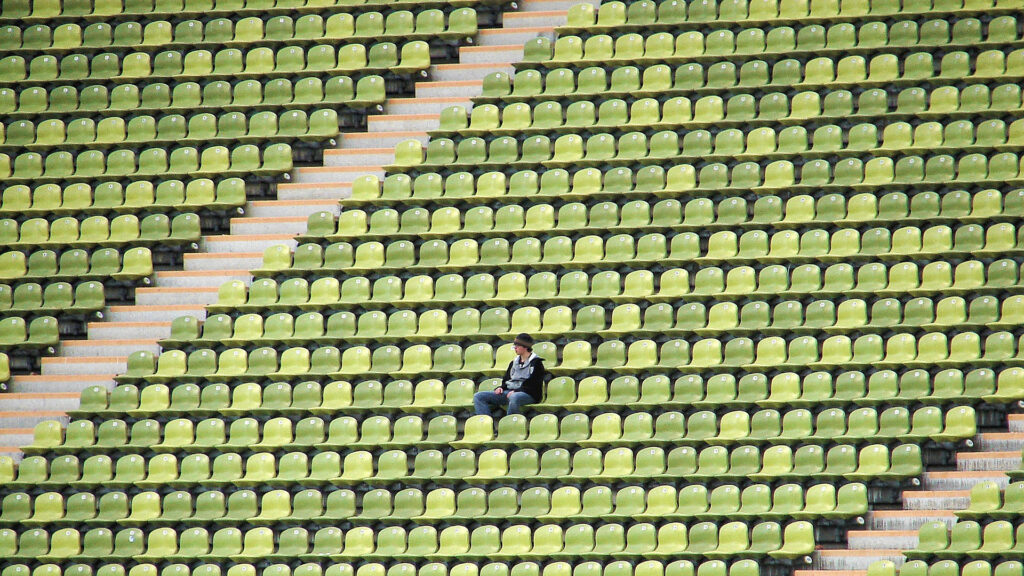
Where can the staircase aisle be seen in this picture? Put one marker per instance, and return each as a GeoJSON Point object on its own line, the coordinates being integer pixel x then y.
{"type": "Point", "coordinates": [124, 329]}
{"type": "Point", "coordinates": [888, 532]}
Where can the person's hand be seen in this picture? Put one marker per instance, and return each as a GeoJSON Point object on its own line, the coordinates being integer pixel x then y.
{"type": "Point", "coordinates": [498, 391]}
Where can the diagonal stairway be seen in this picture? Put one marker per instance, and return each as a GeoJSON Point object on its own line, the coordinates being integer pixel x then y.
{"type": "Point", "coordinates": [888, 532]}
{"type": "Point", "coordinates": [222, 258]}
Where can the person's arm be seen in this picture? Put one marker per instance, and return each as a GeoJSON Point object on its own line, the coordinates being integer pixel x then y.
{"type": "Point", "coordinates": [535, 383]}
{"type": "Point", "coordinates": [508, 374]}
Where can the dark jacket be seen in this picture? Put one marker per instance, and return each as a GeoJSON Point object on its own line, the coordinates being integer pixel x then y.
{"type": "Point", "coordinates": [534, 383]}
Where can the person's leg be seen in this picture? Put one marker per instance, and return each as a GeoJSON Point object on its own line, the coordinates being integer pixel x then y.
{"type": "Point", "coordinates": [517, 400]}
{"type": "Point", "coordinates": [485, 402]}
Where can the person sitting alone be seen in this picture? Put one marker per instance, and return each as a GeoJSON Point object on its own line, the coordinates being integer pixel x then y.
{"type": "Point", "coordinates": [522, 382]}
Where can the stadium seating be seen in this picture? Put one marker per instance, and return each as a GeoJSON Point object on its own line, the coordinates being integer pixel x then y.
{"type": "Point", "coordinates": [770, 252]}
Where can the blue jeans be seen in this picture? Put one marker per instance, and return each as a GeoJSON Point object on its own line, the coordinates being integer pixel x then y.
{"type": "Point", "coordinates": [485, 402]}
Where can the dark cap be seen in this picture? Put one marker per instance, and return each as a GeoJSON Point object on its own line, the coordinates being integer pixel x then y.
{"type": "Point", "coordinates": [524, 340]}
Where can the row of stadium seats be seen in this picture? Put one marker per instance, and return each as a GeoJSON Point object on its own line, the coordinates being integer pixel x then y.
{"type": "Point", "coordinates": [578, 287]}
{"type": "Point", "coordinates": [643, 42]}
{"type": "Point", "coordinates": [604, 148]}
{"type": "Point", "coordinates": [560, 252]}
{"type": "Point", "coordinates": [16, 333]}
{"type": "Point", "coordinates": [461, 187]}
{"type": "Point", "coordinates": [874, 462]}
{"type": "Point", "coordinates": [99, 231]}
{"type": "Point", "coordinates": [62, 166]}
{"type": "Point", "coordinates": [644, 113]}
{"type": "Point", "coordinates": [380, 506]}
{"type": "Point", "coordinates": [104, 265]}
{"type": "Point", "coordinates": [554, 568]}
{"type": "Point", "coordinates": [674, 540]}
{"type": "Point", "coordinates": [614, 113]}
{"type": "Point", "coordinates": [612, 356]}
{"type": "Point", "coordinates": [723, 78]}
{"type": "Point", "coordinates": [214, 96]}
{"type": "Point", "coordinates": [750, 391]}
{"type": "Point", "coordinates": [31, 298]}
{"type": "Point", "coordinates": [251, 330]}
{"type": "Point", "coordinates": [698, 213]}
{"type": "Point", "coordinates": [608, 429]}
{"type": "Point", "coordinates": [319, 124]}
{"type": "Point", "coordinates": [618, 15]}
{"type": "Point", "coordinates": [49, 10]}
{"type": "Point", "coordinates": [154, 34]}
{"type": "Point", "coordinates": [988, 500]}
{"type": "Point", "coordinates": [20, 201]}
{"type": "Point", "coordinates": [967, 538]}
{"type": "Point", "coordinates": [228, 62]}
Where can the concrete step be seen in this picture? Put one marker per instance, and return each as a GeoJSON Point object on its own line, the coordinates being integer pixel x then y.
{"type": "Point", "coordinates": [1015, 422]}
{"type": "Point", "coordinates": [907, 519]}
{"type": "Point", "coordinates": [93, 365]}
{"type": "Point", "coordinates": [22, 419]}
{"type": "Point", "coordinates": [830, 573]}
{"type": "Point", "coordinates": [988, 461]}
{"type": "Point", "coordinates": [35, 384]}
{"type": "Point", "coordinates": [1001, 441]}
{"type": "Point", "coordinates": [277, 225]}
{"type": "Point", "coordinates": [461, 71]}
{"type": "Point", "coordinates": [103, 348]}
{"type": "Point", "coordinates": [120, 330]}
{"type": "Point", "coordinates": [960, 480]}
{"type": "Point", "coordinates": [223, 261]}
{"type": "Point", "coordinates": [488, 54]}
{"type": "Point", "coordinates": [450, 89]}
{"type": "Point", "coordinates": [62, 401]}
{"type": "Point", "coordinates": [12, 452]}
{"type": "Point", "coordinates": [549, 5]}
{"type": "Point", "coordinates": [278, 208]}
{"type": "Point", "coordinates": [246, 242]}
{"type": "Point", "coordinates": [172, 296]}
{"type": "Point", "coordinates": [367, 140]}
{"type": "Point", "coordinates": [424, 105]}
{"type": "Point", "coordinates": [13, 438]}
{"type": "Point", "coordinates": [314, 190]}
{"type": "Point", "coordinates": [518, 35]}
{"type": "Point", "coordinates": [404, 123]}
{"type": "Point", "coordinates": [533, 19]}
{"type": "Point", "coordinates": [201, 278]}
{"type": "Point", "coordinates": [357, 158]}
{"type": "Point", "coordinates": [882, 539]}
{"type": "Point", "coordinates": [853, 559]}
{"type": "Point", "coordinates": [936, 500]}
{"type": "Point", "coordinates": [154, 313]}
{"type": "Point", "coordinates": [335, 174]}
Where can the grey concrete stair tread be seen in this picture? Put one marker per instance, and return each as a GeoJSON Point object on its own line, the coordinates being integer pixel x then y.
{"type": "Point", "coordinates": [422, 105]}
{"type": "Point", "coordinates": [204, 278]}
{"type": "Point", "coordinates": [457, 88]}
{"type": "Point", "coordinates": [275, 225]}
{"type": "Point", "coordinates": [529, 19]}
{"type": "Point", "coordinates": [830, 573]}
{"type": "Point", "coordinates": [333, 174]}
{"type": "Point", "coordinates": [988, 461]}
{"type": "Point", "coordinates": [882, 539]}
{"type": "Point", "coordinates": [117, 330]}
{"type": "Point", "coordinates": [322, 190]}
{"type": "Point", "coordinates": [264, 208]}
{"type": "Point", "coordinates": [108, 347]}
{"type": "Point", "coordinates": [466, 71]}
{"type": "Point", "coordinates": [220, 261]}
{"type": "Point", "coordinates": [47, 383]}
{"type": "Point", "coordinates": [184, 295]}
{"type": "Point", "coordinates": [37, 400]}
{"type": "Point", "coordinates": [75, 366]}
